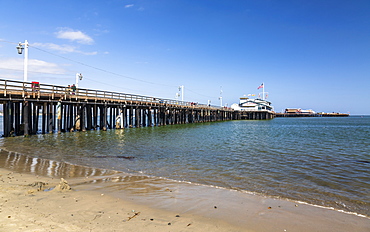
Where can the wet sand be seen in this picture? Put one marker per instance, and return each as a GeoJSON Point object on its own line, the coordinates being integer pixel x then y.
{"type": "Point", "coordinates": [30, 208]}
{"type": "Point", "coordinates": [33, 198]}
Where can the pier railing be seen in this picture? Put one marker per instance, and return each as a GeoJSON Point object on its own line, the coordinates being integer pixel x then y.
{"type": "Point", "coordinates": [38, 90]}
{"type": "Point", "coordinates": [32, 108]}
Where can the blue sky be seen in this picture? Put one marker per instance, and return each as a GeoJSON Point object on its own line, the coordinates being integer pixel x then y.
{"type": "Point", "coordinates": [311, 54]}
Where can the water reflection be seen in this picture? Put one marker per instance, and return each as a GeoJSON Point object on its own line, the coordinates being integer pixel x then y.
{"type": "Point", "coordinates": [43, 167]}
{"type": "Point", "coordinates": [103, 179]}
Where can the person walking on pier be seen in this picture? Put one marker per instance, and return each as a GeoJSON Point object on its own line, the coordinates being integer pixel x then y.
{"type": "Point", "coordinates": [73, 89]}
{"type": "Point", "coordinates": [68, 89]}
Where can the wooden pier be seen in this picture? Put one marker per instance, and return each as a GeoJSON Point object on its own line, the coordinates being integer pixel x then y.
{"type": "Point", "coordinates": [256, 115]}
{"type": "Point", "coordinates": [311, 115]}
{"type": "Point", "coordinates": [41, 108]}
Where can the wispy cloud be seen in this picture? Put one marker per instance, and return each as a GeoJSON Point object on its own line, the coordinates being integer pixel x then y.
{"type": "Point", "coordinates": [36, 66]}
{"type": "Point", "coordinates": [74, 35]}
{"type": "Point", "coordinates": [45, 67]}
{"type": "Point", "coordinates": [98, 31]}
{"type": "Point", "coordinates": [129, 5]}
{"type": "Point", "coordinates": [64, 48]}
{"type": "Point", "coordinates": [61, 48]}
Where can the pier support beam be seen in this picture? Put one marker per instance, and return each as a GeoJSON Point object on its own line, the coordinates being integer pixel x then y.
{"type": "Point", "coordinates": [26, 118]}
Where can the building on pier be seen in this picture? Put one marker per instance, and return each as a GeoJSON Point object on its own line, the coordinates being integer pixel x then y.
{"type": "Point", "coordinates": [247, 104]}
{"type": "Point", "coordinates": [298, 112]}
{"type": "Point", "coordinates": [255, 109]}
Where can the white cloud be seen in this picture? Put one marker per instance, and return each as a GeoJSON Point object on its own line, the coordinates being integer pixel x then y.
{"type": "Point", "coordinates": [89, 53]}
{"type": "Point", "coordinates": [62, 48]}
{"type": "Point", "coordinates": [100, 32]}
{"type": "Point", "coordinates": [11, 64]}
{"type": "Point", "coordinates": [78, 36]}
{"type": "Point", "coordinates": [44, 67]}
{"type": "Point", "coordinates": [128, 6]}
{"type": "Point", "coordinates": [34, 66]}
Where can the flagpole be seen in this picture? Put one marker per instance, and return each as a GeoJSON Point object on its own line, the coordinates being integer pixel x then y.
{"type": "Point", "coordinates": [263, 91]}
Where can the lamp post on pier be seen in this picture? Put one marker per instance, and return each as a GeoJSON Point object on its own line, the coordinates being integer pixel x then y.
{"type": "Point", "coordinates": [78, 77]}
{"type": "Point", "coordinates": [181, 87]}
{"type": "Point", "coordinates": [25, 63]}
{"type": "Point", "coordinates": [220, 98]}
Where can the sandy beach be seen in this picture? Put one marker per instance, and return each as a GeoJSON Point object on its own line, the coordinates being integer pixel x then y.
{"type": "Point", "coordinates": [26, 206]}
{"type": "Point", "coordinates": [117, 202]}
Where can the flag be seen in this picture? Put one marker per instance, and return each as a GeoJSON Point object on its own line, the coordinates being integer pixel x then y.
{"type": "Point", "coordinates": [261, 86]}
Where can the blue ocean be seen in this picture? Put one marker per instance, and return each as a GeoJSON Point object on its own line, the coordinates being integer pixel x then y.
{"type": "Point", "coordinates": [320, 161]}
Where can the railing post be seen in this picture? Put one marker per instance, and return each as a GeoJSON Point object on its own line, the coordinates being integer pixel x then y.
{"type": "Point", "coordinates": [5, 85]}
{"type": "Point", "coordinates": [23, 89]}
{"type": "Point", "coordinates": [52, 92]}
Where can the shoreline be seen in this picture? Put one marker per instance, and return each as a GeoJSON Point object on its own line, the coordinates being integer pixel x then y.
{"type": "Point", "coordinates": [173, 206]}
{"type": "Point", "coordinates": [51, 168]}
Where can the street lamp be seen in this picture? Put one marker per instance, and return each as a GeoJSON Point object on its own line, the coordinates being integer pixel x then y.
{"type": "Point", "coordinates": [78, 77]}
{"type": "Point", "coordinates": [20, 49]}
{"type": "Point", "coordinates": [181, 87]}
{"type": "Point", "coordinates": [220, 98]}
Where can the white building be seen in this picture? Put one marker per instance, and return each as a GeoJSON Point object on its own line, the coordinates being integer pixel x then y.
{"type": "Point", "coordinates": [247, 104]}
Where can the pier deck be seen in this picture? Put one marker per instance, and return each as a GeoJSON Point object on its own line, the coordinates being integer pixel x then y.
{"type": "Point", "coordinates": [311, 115]}
{"type": "Point", "coordinates": [60, 109]}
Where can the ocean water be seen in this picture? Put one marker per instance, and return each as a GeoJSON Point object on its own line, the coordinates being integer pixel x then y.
{"type": "Point", "coordinates": [320, 161]}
